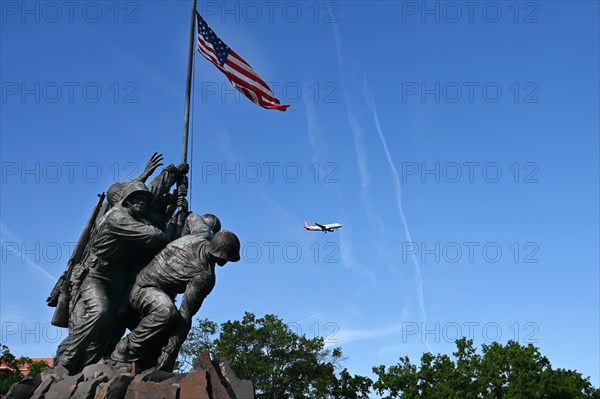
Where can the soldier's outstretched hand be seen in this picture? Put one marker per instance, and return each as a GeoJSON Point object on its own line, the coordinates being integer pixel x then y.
{"type": "Point", "coordinates": [153, 163]}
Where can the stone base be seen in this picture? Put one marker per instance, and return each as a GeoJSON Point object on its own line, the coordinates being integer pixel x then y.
{"type": "Point", "coordinates": [207, 380]}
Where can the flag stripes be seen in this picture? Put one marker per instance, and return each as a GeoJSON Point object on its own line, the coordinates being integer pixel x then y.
{"type": "Point", "coordinates": [241, 75]}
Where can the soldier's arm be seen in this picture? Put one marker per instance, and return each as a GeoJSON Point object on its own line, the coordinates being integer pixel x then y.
{"type": "Point", "coordinates": [129, 228]}
{"type": "Point", "coordinates": [162, 183]}
{"type": "Point", "coordinates": [196, 290]}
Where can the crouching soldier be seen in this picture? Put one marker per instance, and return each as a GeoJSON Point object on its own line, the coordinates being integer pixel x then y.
{"type": "Point", "coordinates": [186, 265]}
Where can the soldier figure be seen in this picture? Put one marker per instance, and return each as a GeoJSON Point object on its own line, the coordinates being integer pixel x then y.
{"type": "Point", "coordinates": [158, 212]}
{"type": "Point", "coordinates": [186, 265]}
{"type": "Point", "coordinates": [163, 204]}
{"type": "Point", "coordinates": [160, 208]}
{"type": "Point", "coordinates": [121, 239]}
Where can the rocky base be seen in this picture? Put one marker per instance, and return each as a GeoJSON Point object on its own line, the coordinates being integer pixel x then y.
{"type": "Point", "coordinates": [207, 380]}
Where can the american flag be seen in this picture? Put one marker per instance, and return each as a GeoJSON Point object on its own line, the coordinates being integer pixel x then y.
{"type": "Point", "coordinates": [240, 74]}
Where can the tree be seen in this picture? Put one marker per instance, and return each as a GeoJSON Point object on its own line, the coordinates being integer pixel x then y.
{"type": "Point", "coordinates": [15, 365]}
{"type": "Point", "coordinates": [511, 371]}
{"type": "Point", "coordinates": [280, 362]}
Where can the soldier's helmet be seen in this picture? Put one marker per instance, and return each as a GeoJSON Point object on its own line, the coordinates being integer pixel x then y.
{"type": "Point", "coordinates": [136, 187]}
{"type": "Point", "coordinates": [225, 245]}
{"type": "Point", "coordinates": [213, 222]}
{"type": "Point", "coordinates": [115, 193]}
{"type": "Point", "coordinates": [191, 225]}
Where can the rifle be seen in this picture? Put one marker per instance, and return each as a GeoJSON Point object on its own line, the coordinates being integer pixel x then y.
{"type": "Point", "coordinates": [60, 297]}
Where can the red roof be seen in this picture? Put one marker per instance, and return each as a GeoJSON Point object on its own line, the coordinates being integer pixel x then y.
{"type": "Point", "coordinates": [25, 367]}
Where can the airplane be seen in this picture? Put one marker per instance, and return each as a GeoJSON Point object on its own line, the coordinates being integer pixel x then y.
{"type": "Point", "coordinates": [322, 227]}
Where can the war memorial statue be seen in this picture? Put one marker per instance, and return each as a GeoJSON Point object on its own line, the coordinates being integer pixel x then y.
{"type": "Point", "coordinates": [140, 248]}
{"type": "Point", "coordinates": [143, 248]}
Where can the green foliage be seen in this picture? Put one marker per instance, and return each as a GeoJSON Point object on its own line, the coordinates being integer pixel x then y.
{"type": "Point", "coordinates": [351, 387]}
{"type": "Point", "coordinates": [283, 364]}
{"type": "Point", "coordinates": [199, 339]}
{"type": "Point", "coordinates": [511, 371]}
{"type": "Point", "coordinates": [280, 362]}
{"type": "Point", "coordinates": [37, 367]}
{"type": "Point", "coordinates": [15, 365]}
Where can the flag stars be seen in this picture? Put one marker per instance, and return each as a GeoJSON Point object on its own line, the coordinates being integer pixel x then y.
{"type": "Point", "coordinates": [239, 73]}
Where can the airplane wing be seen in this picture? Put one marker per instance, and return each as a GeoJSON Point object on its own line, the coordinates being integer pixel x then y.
{"type": "Point", "coordinates": [321, 226]}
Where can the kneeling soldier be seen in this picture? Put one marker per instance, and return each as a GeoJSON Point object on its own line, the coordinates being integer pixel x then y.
{"type": "Point", "coordinates": [186, 265]}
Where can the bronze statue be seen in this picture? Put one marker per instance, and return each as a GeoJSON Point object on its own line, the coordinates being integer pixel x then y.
{"type": "Point", "coordinates": [122, 242]}
{"type": "Point", "coordinates": [68, 284]}
{"type": "Point", "coordinates": [112, 288]}
{"type": "Point", "coordinates": [186, 265]}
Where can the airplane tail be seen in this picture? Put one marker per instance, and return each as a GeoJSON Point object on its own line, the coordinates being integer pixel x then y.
{"type": "Point", "coordinates": [306, 225]}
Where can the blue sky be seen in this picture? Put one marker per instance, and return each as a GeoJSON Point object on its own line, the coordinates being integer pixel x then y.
{"type": "Point", "coordinates": [458, 146]}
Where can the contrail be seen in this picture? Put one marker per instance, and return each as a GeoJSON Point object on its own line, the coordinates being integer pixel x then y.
{"type": "Point", "coordinates": [346, 244]}
{"type": "Point", "coordinates": [312, 127]}
{"type": "Point", "coordinates": [355, 127]}
{"type": "Point", "coordinates": [365, 178]}
{"type": "Point", "coordinates": [371, 103]}
{"type": "Point", "coordinates": [4, 231]}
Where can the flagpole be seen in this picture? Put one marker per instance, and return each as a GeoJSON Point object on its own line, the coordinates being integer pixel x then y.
{"type": "Point", "coordinates": [188, 85]}
{"type": "Point", "coordinates": [182, 183]}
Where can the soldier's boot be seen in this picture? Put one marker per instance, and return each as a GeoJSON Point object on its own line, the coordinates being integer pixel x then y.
{"type": "Point", "coordinates": [121, 352]}
{"type": "Point", "coordinates": [166, 361]}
